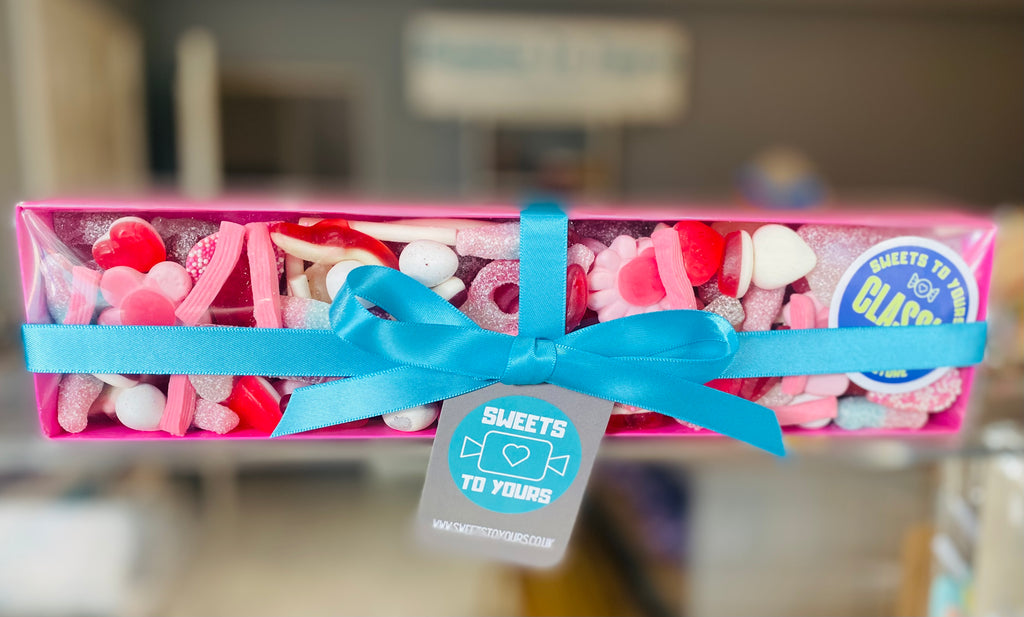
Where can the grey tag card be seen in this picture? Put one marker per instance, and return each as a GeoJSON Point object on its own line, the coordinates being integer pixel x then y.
{"type": "Point", "coordinates": [508, 470]}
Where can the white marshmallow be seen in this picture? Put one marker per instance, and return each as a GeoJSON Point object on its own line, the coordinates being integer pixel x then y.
{"type": "Point", "coordinates": [338, 273]}
{"type": "Point", "coordinates": [429, 262]}
{"type": "Point", "coordinates": [140, 407]}
{"type": "Point", "coordinates": [450, 288]}
{"type": "Point", "coordinates": [412, 419]}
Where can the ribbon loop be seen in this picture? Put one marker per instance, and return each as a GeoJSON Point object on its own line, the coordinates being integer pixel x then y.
{"type": "Point", "coordinates": [530, 361]}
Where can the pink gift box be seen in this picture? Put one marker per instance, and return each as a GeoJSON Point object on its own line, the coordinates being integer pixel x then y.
{"type": "Point", "coordinates": [972, 237]}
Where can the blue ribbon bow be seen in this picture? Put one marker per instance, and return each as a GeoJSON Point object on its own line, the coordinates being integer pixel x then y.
{"type": "Point", "coordinates": [657, 361]}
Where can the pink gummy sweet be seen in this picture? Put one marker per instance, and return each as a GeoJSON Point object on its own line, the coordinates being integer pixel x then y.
{"type": "Point", "coordinates": [498, 241]}
{"type": "Point", "coordinates": [671, 269]}
{"type": "Point", "coordinates": [228, 247]}
{"type": "Point", "coordinates": [807, 411]}
{"type": "Point", "coordinates": [761, 306]}
{"type": "Point", "coordinates": [147, 307]}
{"type": "Point", "coordinates": [214, 417]}
{"type": "Point", "coordinates": [213, 388]}
{"type": "Point", "coordinates": [110, 316]}
{"type": "Point", "coordinates": [118, 282]}
{"type": "Point", "coordinates": [304, 313]}
{"type": "Point", "coordinates": [75, 396]}
{"type": "Point", "coordinates": [836, 246]}
{"type": "Point", "coordinates": [263, 274]}
{"type": "Point", "coordinates": [800, 314]}
{"type": "Point", "coordinates": [180, 408]}
{"type": "Point", "coordinates": [937, 396]}
{"type": "Point", "coordinates": [170, 279]}
{"type": "Point", "coordinates": [85, 285]}
{"type": "Point", "coordinates": [481, 303]}
{"type": "Point", "coordinates": [639, 282]}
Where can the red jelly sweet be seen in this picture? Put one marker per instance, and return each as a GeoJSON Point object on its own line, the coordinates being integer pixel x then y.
{"type": "Point", "coordinates": [737, 264]}
{"type": "Point", "coordinates": [622, 422]}
{"type": "Point", "coordinates": [576, 291]}
{"type": "Point", "coordinates": [331, 241]}
{"type": "Point", "coordinates": [131, 242]}
{"type": "Point", "coordinates": [702, 250]}
{"type": "Point", "coordinates": [256, 402]}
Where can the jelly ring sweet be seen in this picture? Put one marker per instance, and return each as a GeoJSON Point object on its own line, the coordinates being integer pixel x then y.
{"type": "Point", "coordinates": [492, 300]}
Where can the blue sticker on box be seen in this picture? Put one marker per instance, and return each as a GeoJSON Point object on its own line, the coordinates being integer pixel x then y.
{"type": "Point", "coordinates": [514, 454]}
{"type": "Point", "coordinates": [906, 281]}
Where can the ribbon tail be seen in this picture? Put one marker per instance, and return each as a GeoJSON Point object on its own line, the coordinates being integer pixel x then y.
{"type": "Point", "coordinates": [681, 399]}
{"type": "Point", "coordinates": [366, 396]}
{"type": "Point", "coordinates": [725, 414]}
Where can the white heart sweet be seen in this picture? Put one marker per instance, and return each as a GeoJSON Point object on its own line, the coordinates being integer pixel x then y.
{"type": "Point", "coordinates": [780, 257]}
{"type": "Point", "coordinates": [412, 419]}
{"type": "Point", "coordinates": [140, 407]}
{"type": "Point", "coordinates": [429, 262]}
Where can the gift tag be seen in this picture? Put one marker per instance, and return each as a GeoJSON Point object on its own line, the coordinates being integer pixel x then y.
{"type": "Point", "coordinates": [508, 470]}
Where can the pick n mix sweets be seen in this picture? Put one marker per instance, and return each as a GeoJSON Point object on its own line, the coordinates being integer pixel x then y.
{"type": "Point", "coordinates": [256, 266]}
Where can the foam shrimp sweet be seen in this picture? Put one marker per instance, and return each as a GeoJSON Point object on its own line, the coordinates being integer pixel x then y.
{"type": "Point", "coordinates": [232, 266]}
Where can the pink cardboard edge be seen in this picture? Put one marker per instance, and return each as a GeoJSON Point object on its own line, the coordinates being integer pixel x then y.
{"type": "Point", "coordinates": [944, 423]}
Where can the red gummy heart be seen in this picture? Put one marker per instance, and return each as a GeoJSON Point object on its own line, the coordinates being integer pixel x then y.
{"type": "Point", "coordinates": [331, 241]}
{"type": "Point", "coordinates": [702, 250]}
{"type": "Point", "coordinates": [130, 242]}
{"type": "Point", "coordinates": [256, 402]}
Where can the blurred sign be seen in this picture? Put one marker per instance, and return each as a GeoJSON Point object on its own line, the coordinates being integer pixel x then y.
{"type": "Point", "coordinates": [512, 68]}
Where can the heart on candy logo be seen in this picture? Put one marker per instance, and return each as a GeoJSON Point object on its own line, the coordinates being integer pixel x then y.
{"type": "Point", "coordinates": [514, 454]}
{"type": "Point", "coordinates": [907, 281]}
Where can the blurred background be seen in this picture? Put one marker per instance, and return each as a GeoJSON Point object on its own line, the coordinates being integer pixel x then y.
{"type": "Point", "coordinates": [763, 104]}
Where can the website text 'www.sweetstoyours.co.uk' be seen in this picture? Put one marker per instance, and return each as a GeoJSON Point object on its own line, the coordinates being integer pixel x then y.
{"type": "Point", "coordinates": [504, 535]}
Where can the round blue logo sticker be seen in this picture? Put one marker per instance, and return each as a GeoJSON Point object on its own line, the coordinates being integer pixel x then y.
{"type": "Point", "coordinates": [906, 281]}
{"type": "Point", "coordinates": [514, 454]}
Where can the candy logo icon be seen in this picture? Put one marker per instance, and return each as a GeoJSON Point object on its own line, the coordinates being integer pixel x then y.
{"type": "Point", "coordinates": [514, 456]}
{"type": "Point", "coordinates": [923, 288]}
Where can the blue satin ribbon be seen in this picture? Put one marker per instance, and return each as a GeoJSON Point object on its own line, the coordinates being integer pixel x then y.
{"type": "Point", "coordinates": [431, 351]}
